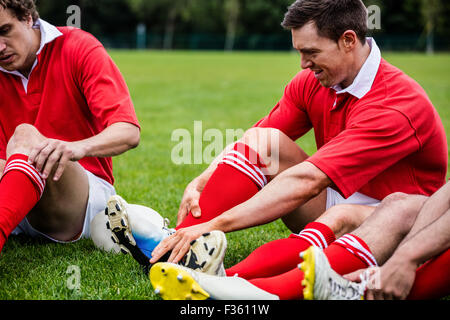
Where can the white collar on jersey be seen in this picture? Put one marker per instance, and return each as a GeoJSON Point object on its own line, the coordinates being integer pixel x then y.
{"type": "Point", "coordinates": [48, 34]}
{"type": "Point", "coordinates": [366, 76]}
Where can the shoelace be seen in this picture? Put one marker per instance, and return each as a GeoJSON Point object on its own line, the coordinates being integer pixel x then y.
{"type": "Point", "coordinates": [349, 290]}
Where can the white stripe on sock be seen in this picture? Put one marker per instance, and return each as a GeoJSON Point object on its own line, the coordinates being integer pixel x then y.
{"type": "Point", "coordinates": [244, 169]}
{"type": "Point", "coordinates": [244, 172]}
{"type": "Point", "coordinates": [246, 166]}
{"type": "Point", "coordinates": [362, 252]}
{"type": "Point", "coordinates": [319, 234]}
{"type": "Point", "coordinates": [29, 170]}
{"type": "Point", "coordinates": [311, 239]}
{"type": "Point", "coordinates": [30, 174]}
{"type": "Point", "coordinates": [256, 168]}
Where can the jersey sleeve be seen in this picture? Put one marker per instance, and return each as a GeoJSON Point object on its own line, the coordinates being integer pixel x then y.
{"type": "Point", "coordinates": [289, 115]}
{"type": "Point", "coordinates": [375, 139]}
{"type": "Point", "coordinates": [101, 82]}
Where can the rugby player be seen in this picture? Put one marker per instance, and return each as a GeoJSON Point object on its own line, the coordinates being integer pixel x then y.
{"type": "Point", "coordinates": [65, 111]}
{"type": "Point", "coordinates": [403, 233]}
{"type": "Point", "coordinates": [376, 130]}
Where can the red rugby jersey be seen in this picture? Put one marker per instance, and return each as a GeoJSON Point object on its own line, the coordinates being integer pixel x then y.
{"type": "Point", "coordinates": [390, 140]}
{"type": "Point", "coordinates": [74, 92]}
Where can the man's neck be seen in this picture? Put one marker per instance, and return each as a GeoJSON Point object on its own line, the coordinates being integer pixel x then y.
{"type": "Point", "coordinates": [361, 56]}
{"type": "Point", "coordinates": [28, 65]}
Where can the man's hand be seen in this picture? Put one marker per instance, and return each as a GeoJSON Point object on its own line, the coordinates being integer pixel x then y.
{"type": "Point", "coordinates": [190, 201]}
{"type": "Point", "coordinates": [396, 279]}
{"type": "Point", "coordinates": [54, 154]}
{"type": "Point", "coordinates": [179, 243]}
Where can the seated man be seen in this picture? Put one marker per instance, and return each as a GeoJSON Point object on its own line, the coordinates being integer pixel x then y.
{"type": "Point", "coordinates": [66, 110]}
{"type": "Point", "coordinates": [400, 277]}
{"type": "Point", "coordinates": [415, 228]}
{"type": "Point", "coordinates": [360, 107]}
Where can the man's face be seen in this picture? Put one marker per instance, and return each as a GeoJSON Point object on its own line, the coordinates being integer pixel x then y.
{"type": "Point", "coordinates": [17, 42]}
{"type": "Point", "coordinates": [320, 54]}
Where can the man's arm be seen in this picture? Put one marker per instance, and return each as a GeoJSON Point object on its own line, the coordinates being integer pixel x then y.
{"type": "Point", "coordinates": [427, 243]}
{"type": "Point", "coordinates": [282, 195]}
{"type": "Point", "coordinates": [114, 140]}
{"type": "Point", "coordinates": [287, 192]}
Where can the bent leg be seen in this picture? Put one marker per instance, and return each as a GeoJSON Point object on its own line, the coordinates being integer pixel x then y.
{"type": "Point", "coordinates": [394, 217]}
{"type": "Point", "coordinates": [258, 157]}
{"type": "Point", "coordinates": [389, 224]}
{"type": "Point", "coordinates": [280, 256]}
{"type": "Point", "coordinates": [20, 189]}
{"type": "Point", "coordinates": [434, 207]}
{"type": "Point", "coordinates": [345, 218]}
{"type": "Point", "coordinates": [61, 211]}
{"type": "Point", "coordinates": [288, 286]}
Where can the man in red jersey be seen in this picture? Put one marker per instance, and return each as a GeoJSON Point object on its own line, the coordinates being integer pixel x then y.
{"type": "Point", "coordinates": [65, 111]}
{"type": "Point", "coordinates": [376, 131]}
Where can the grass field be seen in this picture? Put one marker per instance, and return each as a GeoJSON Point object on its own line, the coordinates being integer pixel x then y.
{"type": "Point", "coordinates": [171, 91]}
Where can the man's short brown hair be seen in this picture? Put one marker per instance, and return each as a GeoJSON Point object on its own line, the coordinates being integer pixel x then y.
{"type": "Point", "coordinates": [331, 17]}
{"type": "Point", "coordinates": [21, 9]}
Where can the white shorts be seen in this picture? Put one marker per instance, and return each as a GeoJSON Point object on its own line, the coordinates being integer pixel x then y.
{"type": "Point", "coordinates": [99, 193]}
{"type": "Point", "coordinates": [335, 198]}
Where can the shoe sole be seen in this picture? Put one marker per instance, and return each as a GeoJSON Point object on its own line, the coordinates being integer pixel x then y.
{"type": "Point", "coordinates": [308, 268]}
{"type": "Point", "coordinates": [119, 225]}
{"type": "Point", "coordinates": [210, 250]}
{"type": "Point", "coordinates": [172, 283]}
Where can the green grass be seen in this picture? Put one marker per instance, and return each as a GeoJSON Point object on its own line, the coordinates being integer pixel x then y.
{"type": "Point", "coordinates": [171, 90]}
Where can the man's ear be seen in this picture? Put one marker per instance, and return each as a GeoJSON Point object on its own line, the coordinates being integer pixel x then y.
{"type": "Point", "coordinates": [29, 21]}
{"type": "Point", "coordinates": [348, 40]}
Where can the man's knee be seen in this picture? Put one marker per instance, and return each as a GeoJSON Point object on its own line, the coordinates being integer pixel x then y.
{"type": "Point", "coordinates": [403, 208]}
{"type": "Point", "coordinates": [277, 151]}
{"type": "Point", "coordinates": [262, 140]}
{"type": "Point", "coordinates": [23, 139]}
{"type": "Point", "coordinates": [403, 202]}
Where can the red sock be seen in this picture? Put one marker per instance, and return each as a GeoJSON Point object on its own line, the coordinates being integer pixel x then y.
{"type": "Point", "coordinates": [21, 187]}
{"type": "Point", "coordinates": [280, 256]}
{"type": "Point", "coordinates": [235, 180]}
{"type": "Point", "coordinates": [358, 250]}
{"type": "Point", "coordinates": [432, 279]}
{"type": "Point", "coordinates": [287, 286]}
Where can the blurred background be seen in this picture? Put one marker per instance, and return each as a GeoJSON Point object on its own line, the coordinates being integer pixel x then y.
{"type": "Point", "coordinates": [405, 25]}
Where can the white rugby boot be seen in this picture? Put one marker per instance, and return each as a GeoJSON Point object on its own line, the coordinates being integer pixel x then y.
{"type": "Point", "coordinates": [323, 283]}
{"type": "Point", "coordinates": [175, 282]}
{"type": "Point", "coordinates": [101, 236]}
{"type": "Point", "coordinates": [137, 230]}
{"type": "Point", "coordinates": [207, 253]}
